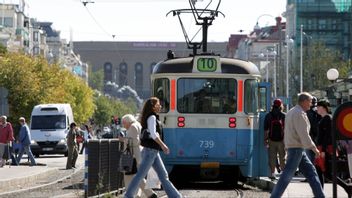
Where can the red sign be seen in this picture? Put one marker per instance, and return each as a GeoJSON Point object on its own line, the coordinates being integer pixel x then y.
{"type": "Point", "coordinates": [343, 120]}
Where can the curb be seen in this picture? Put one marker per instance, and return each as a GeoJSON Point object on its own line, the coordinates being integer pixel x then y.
{"type": "Point", "coordinates": [19, 181]}
{"type": "Point", "coordinates": [31, 178]}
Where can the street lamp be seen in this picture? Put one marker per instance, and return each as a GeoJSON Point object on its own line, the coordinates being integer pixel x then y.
{"type": "Point", "coordinates": [270, 50]}
{"type": "Point", "coordinates": [332, 74]}
{"type": "Point", "coordinates": [301, 59]}
{"type": "Point", "coordinates": [266, 65]}
{"type": "Point", "coordinates": [275, 89]}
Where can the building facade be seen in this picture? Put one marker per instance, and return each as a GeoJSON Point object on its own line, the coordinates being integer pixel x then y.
{"type": "Point", "coordinates": [328, 21]}
{"type": "Point", "coordinates": [131, 63]}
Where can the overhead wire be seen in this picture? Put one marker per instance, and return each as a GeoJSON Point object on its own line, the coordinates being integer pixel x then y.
{"type": "Point", "coordinates": [116, 49]}
{"type": "Point", "coordinates": [96, 21]}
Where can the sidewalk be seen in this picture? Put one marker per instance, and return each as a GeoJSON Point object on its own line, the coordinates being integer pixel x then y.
{"type": "Point", "coordinates": [19, 175]}
{"type": "Point", "coordinates": [299, 189]}
{"type": "Point", "coordinates": [14, 178]}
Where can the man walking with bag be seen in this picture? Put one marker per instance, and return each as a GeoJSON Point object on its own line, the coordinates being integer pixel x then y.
{"type": "Point", "coordinates": [274, 136]}
{"type": "Point", "coordinates": [296, 140]}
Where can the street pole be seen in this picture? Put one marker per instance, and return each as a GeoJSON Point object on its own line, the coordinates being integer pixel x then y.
{"type": "Point", "coordinates": [287, 64]}
{"type": "Point", "coordinates": [275, 88]}
{"type": "Point", "coordinates": [267, 65]}
{"type": "Point", "coordinates": [301, 64]}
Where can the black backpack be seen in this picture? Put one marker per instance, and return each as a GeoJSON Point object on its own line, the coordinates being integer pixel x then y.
{"type": "Point", "coordinates": [276, 132]}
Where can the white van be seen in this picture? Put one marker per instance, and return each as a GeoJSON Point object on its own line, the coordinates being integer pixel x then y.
{"type": "Point", "coordinates": [49, 126]}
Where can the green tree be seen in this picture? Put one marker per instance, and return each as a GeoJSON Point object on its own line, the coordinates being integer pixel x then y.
{"type": "Point", "coordinates": [3, 49]}
{"type": "Point", "coordinates": [31, 81]}
{"type": "Point", "coordinates": [318, 61]}
{"type": "Point", "coordinates": [107, 107]}
{"type": "Point", "coordinates": [96, 80]}
{"type": "Point", "coordinates": [103, 111]}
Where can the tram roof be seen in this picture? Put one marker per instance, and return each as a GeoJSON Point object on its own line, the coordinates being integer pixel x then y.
{"type": "Point", "coordinates": [185, 65]}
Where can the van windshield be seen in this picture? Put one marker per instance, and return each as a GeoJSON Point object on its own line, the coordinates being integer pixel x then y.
{"type": "Point", "coordinates": [48, 122]}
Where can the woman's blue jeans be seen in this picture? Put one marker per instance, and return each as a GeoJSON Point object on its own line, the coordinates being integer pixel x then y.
{"type": "Point", "coordinates": [151, 157]}
{"type": "Point", "coordinates": [297, 158]}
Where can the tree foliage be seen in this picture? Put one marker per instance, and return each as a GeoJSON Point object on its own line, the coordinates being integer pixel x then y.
{"type": "Point", "coordinates": [318, 60]}
{"type": "Point", "coordinates": [31, 81]}
{"type": "Point", "coordinates": [96, 79]}
{"type": "Point", "coordinates": [107, 107]}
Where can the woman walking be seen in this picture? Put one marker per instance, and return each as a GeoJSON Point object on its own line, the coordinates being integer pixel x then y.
{"type": "Point", "coordinates": [134, 128]}
{"type": "Point", "coordinates": [324, 141]}
{"type": "Point", "coordinates": [150, 152]}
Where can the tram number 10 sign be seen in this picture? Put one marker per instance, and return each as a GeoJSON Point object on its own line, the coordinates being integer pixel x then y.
{"type": "Point", "coordinates": [207, 64]}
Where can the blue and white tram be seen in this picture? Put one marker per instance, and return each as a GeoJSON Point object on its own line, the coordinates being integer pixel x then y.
{"type": "Point", "coordinates": [211, 116]}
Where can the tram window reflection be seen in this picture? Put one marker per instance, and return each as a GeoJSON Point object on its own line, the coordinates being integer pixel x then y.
{"type": "Point", "coordinates": [162, 92]}
{"type": "Point", "coordinates": [206, 95]}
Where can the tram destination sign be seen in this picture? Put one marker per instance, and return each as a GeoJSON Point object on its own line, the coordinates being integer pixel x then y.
{"type": "Point", "coordinates": [206, 63]}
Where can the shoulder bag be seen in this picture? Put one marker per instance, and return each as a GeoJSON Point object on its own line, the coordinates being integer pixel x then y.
{"type": "Point", "coordinates": [126, 158]}
{"type": "Point", "coordinates": [145, 134]}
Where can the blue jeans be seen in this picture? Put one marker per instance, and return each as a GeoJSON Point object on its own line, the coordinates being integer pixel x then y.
{"type": "Point", "coordinates": [310, 155]}
{"type": "Point", "coordinates": [26, 149]}
{"type": "Point", "coordinates": [297, 158]}
{"type": "Point", "coordinates": [151, 157]}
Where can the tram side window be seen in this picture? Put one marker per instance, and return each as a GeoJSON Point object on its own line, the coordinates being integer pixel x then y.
{"type": "Point", "coordinates": [251, 96]}
{"type": "Point", "coordinates": [206, 95]}
{"type": "Point", "coordinates": [162, 91]}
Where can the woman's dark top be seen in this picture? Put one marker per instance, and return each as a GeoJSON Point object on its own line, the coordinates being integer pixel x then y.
{"type": "Point", "coordinates": [150, 143]}
{"type": "Point", "coordinates": [324, 133]}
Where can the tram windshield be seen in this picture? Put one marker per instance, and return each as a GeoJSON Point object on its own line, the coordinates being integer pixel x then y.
{"type": "Point", "coordinates": [206, 95]}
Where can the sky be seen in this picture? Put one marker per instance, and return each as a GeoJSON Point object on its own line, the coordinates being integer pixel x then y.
{"type": "Point", "coordinates": [146, 20]}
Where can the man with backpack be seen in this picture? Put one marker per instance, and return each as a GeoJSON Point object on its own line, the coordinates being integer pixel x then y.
{"type": "Point", "coordinates": [274, 135]}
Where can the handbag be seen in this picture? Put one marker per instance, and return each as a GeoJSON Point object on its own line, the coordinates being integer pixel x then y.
{"type": "Point", "coordinates": [145, 134]}
{"type": "Point", "coordinates": [126, 158]}
{"type": "Point", "coordinates": [134, 168]}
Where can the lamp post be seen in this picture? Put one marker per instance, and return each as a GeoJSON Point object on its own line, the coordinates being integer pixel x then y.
{"type": "Point", "coordinates": [301, 58]}
{"type": "Point", "coordinates": [288, 42]}
{"type": "Point", "coordinates": [332, 75]}
{"type": "Point", "coordinates": [301, 63]}
{"type": "Point", "coordinates": [266, 64]}
{"type": "Point", "coordinates": [275, 85]}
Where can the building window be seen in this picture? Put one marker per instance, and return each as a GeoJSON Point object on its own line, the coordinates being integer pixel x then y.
{"type": "Point", "coordinates": [334, 25]}
{"type": "Point", "coordinates": [309, 24]}
{"type": "Point", "coordinates": [138, 77]}
{"type": "Point", "coordinates": [123, 74]}
{"type": "Point", "coordinates": [35, 50]}
{"type": "Point", "coordinates": [8, 21]}
{"type": "Point", "coordinates": [35, 36]}
{"type": "Point", "coordinates": [107, 72]}
{"type": "Point", "coordinates": [322, 24]}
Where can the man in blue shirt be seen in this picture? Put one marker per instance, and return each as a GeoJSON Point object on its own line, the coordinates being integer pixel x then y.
{"type": "Point", "coordinates": [25, 140]}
